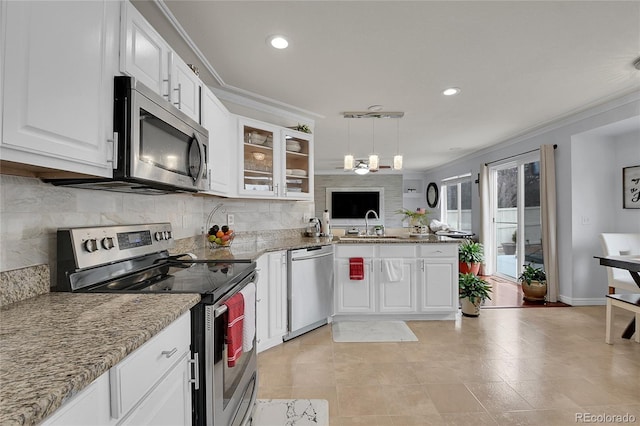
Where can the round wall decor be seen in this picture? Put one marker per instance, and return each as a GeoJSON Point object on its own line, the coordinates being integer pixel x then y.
{"type": "Point", "coordinates": [432, 194]}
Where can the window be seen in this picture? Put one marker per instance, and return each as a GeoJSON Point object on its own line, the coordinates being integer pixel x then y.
{"type": "Point", "coordinates": [455, 204]}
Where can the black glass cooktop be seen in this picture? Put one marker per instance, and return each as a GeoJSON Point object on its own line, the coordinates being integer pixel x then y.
{"type": "Point", "coordinates": [202, 278]}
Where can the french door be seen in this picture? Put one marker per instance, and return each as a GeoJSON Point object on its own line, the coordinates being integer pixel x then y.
{"type": "Point", "coordinates": [516, 234]}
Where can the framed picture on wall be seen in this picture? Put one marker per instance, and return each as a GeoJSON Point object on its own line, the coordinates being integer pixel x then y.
{"type": "Point", "coordinates": [631, 187]}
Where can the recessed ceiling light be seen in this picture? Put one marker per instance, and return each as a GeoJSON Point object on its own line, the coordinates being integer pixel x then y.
{"type": "Point", "coordinates": [451, 91]}
{"type": "Point", "coordinates": [278, 41]}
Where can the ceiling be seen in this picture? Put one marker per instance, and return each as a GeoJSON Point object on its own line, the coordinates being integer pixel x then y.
{"type": "Point", "coordinates": [520, 65]}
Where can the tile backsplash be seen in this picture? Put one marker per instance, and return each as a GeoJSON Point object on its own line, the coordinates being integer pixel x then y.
{"type": "Point", "coordinates": [31, 211]}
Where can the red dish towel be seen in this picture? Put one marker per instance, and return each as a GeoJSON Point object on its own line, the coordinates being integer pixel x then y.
{"type": "Point", "coordinates": [356, 268]}
{"type": "Point", "coordinates": [235, 318]}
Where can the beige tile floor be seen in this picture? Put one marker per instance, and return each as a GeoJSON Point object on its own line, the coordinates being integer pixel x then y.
{"type": "Point", "coordinates": [535, 366]}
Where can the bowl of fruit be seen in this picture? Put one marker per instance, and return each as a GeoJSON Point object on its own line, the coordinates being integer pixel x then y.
{"type": "Point", "coordinates": [220, 236]}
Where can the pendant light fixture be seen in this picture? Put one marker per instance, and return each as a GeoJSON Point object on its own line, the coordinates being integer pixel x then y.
{"type": "Point", "coordinates": [374, 160]}
{"type": "Point", "coordinates": [348, 158]}
{"type": "Point", "coordinates": [361, 168]}
{"type": "Point", "coordinates": [397, 159]}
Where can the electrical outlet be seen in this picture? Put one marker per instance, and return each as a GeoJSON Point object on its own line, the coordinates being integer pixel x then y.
{"type": "Point", "coordinates": [306, 217]}
{"type": "Point", "coordinates": [230, 219]}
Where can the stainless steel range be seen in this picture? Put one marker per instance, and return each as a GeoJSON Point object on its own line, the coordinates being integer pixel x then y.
{"type": "Point", "coordinates": [136, 259]}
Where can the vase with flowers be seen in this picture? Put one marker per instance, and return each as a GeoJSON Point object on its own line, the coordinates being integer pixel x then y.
{"type": "Point", "coordinates": [418, 220]}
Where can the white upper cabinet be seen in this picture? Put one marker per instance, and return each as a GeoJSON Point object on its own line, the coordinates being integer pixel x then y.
{"type": "Point", "coordinates": [147, 57]}
{"type": "Point", "coordinates": [59, 61]}
{"type": "Point", "coordinates": [143, 53]}
{"type": "Point", "coordinates": [297, 182]}
{"type": "Point", "coordinates": [185, 89]}
{"type": "Point", "coordinates": [221, 125]}
{"type": "Point", "coordinates": [275, 162]}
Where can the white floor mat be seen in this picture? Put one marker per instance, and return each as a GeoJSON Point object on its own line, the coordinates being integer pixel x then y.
{"type": "Point", "coordinates": [372, 331]}
{"type": "Point", "coordinates": [291, 412]}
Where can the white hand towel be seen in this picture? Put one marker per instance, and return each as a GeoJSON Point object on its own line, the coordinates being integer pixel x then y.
{"type": "Point", "coordinates": [249, 324]}
{"type": "Point", "coordinates": [392, 269]}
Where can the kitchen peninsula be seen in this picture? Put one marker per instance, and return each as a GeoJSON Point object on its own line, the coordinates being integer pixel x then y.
{"type": "Point", "coordinates": [403, 278]}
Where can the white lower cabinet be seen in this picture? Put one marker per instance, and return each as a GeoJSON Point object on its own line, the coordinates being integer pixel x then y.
{"type": "Point", "coordinates": [271, 299]}
{"type": "Point", "coordinates": [436, 277]}
{"type": "Point", "coordinates": [89, 407]}
{"type": "Point", "coordinates": [354, 296]}
{"type": "Point", "coordinates": [151, 386]}
{"type": "Point", "coordinates": [170, 401]}
{"type": "Point", "coordinates": [398, 296]}
{"type": "Point", "coordinates": [426, 289]}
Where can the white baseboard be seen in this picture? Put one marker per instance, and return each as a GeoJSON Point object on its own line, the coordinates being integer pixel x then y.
{"type": "Point", "coordinates": [583, 301]}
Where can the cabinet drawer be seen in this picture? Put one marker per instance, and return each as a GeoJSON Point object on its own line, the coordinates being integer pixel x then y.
{"type": "Point", "coordinates": [139, 372]}
{"type": "Point", "coordinates": [397, 250]}
{"type": "Point", "coordinates": [438, 250]}
{"type": "Point", "coordinates": [365, 250]}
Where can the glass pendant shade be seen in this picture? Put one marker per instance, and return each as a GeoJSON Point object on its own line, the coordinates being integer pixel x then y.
{"type": "Point", "coordinates": [374, 162]}
{"type": "Point", "coordinates": [397, 162]}
{"type": "Point", "coordinates": [348, 162]}
{"type": "Point", "coordinates": [362, 169]}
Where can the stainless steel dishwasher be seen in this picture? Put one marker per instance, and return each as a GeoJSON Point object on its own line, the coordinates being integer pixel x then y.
{"type": "Point", "coordinates": [309, 288]}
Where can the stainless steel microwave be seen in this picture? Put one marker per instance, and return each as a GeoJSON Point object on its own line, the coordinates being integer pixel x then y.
{"type": "Point", "coordinates": [159, 149]}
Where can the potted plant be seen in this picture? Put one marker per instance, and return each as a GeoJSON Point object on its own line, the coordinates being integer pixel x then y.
{"type": "Point", "coordinates": [473, 291]}
{"type": "Point", "coordinates": [301, 128]}
{"type": "Point", "coordinates": [534, 283]}
{"type": "Point", "coordinates": [418, 220]}
{"type": "Point", "coordinates": [510, 248]}
{"type": "Point", "coordinates": [420, 217]}
{"type": "Point", "coordinates": [470, 256]}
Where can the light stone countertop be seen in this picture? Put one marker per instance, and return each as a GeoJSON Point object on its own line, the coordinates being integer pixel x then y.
{"type": "Point", "coordinates": [253, 251]}
{"type": "Point", "coordinates": [54, 345]}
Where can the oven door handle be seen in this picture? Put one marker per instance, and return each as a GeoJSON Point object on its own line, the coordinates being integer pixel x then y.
{"type": "Point", "coordinates": [219, 311]}
{"type": "Point", "coordinates": [196, 372]}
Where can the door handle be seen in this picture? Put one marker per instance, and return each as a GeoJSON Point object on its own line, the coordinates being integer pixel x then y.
{"type": "Point", "coordinates": [219, 311]}
{"type": "Point", "coordinates": [179, 90]}
{"type": "Point", "coordinates": [311, 257]}
{"type": "Point", "coordinates": [196, 372]}
{"type": "Point", "coordinates": [112, 156]}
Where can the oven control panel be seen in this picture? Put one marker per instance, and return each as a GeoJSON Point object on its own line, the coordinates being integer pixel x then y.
{"type": "Point", "coordinates": [93, 246]}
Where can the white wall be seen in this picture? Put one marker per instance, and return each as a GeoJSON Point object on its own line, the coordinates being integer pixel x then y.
{"type": "Point", "coordinates": [621, 120]}
{"type": "Point", "coordinates": [596, 171]}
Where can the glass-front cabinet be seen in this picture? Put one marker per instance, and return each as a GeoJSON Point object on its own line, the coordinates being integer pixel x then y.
{"type": "Point", "coordinates": [275, 162]}
{"type": "Point", "coordinates": [298, 179]}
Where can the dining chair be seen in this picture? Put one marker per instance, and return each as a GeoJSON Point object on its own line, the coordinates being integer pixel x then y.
{"type": "Point", "coordinates": [620, 244]}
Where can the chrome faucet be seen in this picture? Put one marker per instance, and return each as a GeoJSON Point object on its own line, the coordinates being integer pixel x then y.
{"type": "Point", "coordinates": [366, 220]}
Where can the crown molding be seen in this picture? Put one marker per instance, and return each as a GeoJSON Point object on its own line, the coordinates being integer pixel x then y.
{"type": "Point", "coordinates": [231, 93]}
{"type": "Point", "coordinates": [262, 103]}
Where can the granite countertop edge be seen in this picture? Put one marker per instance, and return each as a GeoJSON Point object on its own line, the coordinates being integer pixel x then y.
{"type": "Point", "coordinates": [256, 250]}
{"type": "Point", "coordinates": [73, 339]}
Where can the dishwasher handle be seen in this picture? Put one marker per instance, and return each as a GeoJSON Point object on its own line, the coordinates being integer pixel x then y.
{"type": "Point", "coordinates": [295, 259]}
